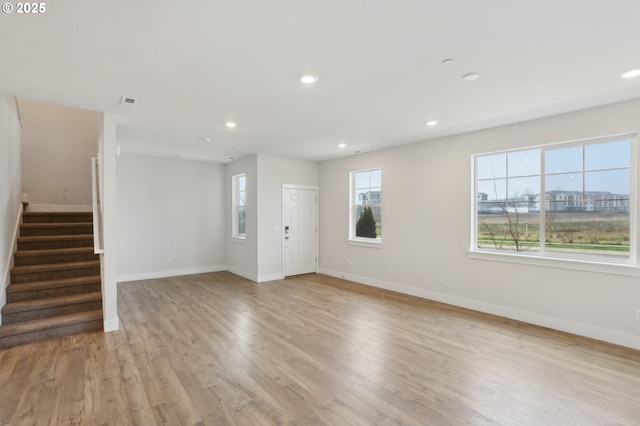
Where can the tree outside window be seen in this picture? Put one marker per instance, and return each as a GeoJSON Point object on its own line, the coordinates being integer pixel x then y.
{"type": "Point", "coordinates": [366, 205]}
{"type": "Point", "coordinates": [560, 199]}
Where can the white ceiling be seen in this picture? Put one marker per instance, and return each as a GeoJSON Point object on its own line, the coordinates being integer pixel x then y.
{"type": "Point", "coordinates": [193, 65]}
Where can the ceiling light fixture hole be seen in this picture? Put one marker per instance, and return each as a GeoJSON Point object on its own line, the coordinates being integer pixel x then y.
{"type": "Point", "coordinates": [631, 74]}
{"type": "Point", "coordinates": [309, 79]}
{"type": "Point", "coordinates": [472, 76]}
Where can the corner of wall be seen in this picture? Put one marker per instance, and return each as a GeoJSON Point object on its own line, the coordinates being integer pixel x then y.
{"type": "Point", "coordinates": [7, 273]}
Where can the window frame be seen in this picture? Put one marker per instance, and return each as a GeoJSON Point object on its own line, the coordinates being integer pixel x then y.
{"type": "Point", "coordinates": [235, 206]}
{"type": "Point", "coordinates": [353, 239]}
{"type": "Point", "coordinates": [627, 265]}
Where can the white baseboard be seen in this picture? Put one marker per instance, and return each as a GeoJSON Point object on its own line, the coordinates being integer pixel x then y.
{"type": "Point", "coordinates": [199, 270]}
{"type": "Point", "coordinates": [170, 273]}
{"type": "Point", "coordinates": [111, 325]}
{"type": "Point", "coordinates": [244, 274]}
{"type": "Point", "coordinates": [60, 207]}
{"type": "Point", "coordinates": [6, 278]}
{"type": "Point", "coordinates": [270, 277]}
{"type": "Point", "coordinates": [611, 336]}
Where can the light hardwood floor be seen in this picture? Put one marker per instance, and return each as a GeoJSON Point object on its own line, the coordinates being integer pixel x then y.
{"type": "Point", "coordinates": [215, 349]}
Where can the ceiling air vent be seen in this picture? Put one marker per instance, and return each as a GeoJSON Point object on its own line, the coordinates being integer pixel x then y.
{"type": "Point", "coordinates": [127, 102]}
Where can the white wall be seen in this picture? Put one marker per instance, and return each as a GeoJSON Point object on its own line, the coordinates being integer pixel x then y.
{"type": "Point", "coordinates": [242, 255]}
{"type": "Point", "coordinates": [426, 214]}
{"type": "Point", "coordinates": [171, 217]}
{"type": "Point", "coordinates": [57, 144]}
{"type": "Point", "coordinates": [10, 184]}
{"type": "Point", "coordinates": [273, 172]}
{"type": "Point", "coordinates": [109, 261]}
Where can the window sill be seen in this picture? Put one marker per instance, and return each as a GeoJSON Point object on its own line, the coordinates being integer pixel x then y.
{"type": "Point", "coordinates": [239, 239]}
{"type": "Point", "coordinates": [365, 243]}
{"type": "Point", "coordinates": [600, 266]}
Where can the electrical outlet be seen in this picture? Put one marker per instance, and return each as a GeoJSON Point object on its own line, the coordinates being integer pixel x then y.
{"type": "Point", "coordinates": [638, 315]}
{"type": "Point", "coordinates": [441, 279]}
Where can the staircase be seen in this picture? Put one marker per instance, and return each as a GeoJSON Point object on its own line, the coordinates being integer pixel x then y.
{"type": "Point", "coordinates": [55, 285]}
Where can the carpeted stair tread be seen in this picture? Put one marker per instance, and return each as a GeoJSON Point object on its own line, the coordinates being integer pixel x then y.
{"type": "Point", "coordinates": [46, 225]}
{"type": "Point", "coordinates": [56, 217]}
{"type": "Point", "coordinates": [37, 229]}
{"type": "Point", "coordinates": [46, 284]}
{"type": "Point", "coordinates": [41, 242]}
{"type": "Point", "coordinates": [48, 323]}
{"type": "Point", "coordinates": [55, 288]}
{"type": "Point", "coordinates": [26, 269]}
{"type": "Point", "coordinates": [45, 238]}
{"type": "Point", "coordinates": [46, 252]}
{"type": "Point", "coordinates": [30, 305]}
{"type": "Point", "coordinates": [53, 255]}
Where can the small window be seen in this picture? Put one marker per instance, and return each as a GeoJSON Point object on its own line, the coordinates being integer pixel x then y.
{"type": "Point", "coordinates": [366, 205]}
{"type": "Point", "coordinates": [563, 200]}
{"type": "Point", "coordinates": [238, 214]}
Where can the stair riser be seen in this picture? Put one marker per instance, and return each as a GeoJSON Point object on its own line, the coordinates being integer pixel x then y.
{"type": "Point", "coordinates": [52, 333]}
{"type": "Point", "coordinates": [13, 317]}
{"type": "Point", "coordinates": [28, 231]}
{"type": "Point", "coordinates": [53, 258]}
{"type": "Point", "coordinates": [32, 217]}
{"type": "Point", "coordinates": [52, 292]}
{"type": "Point", "coordinates": [47, 245]}
{"type": "Point", "coordinates": [54, 275]}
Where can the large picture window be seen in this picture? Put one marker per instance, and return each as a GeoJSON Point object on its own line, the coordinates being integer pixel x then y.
{"type": "Point", "coordinates": [238, 214]}
{"type": "Point", "coordinates": [561, 200]}
{"type": "Point", "coordinates": [366, 205]}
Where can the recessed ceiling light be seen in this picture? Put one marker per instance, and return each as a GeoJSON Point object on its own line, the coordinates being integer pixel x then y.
{"type": "Point", "coordinates": [231, 124]}
{"type": "Point", "coordinates": [447, 61]}
{"type": "Point", "coordinates": [471, 76]}
{"type": "Point", "coordinates": [342, 145]}
{"type": "Point", "coordinates": [202, 139]}
{"type": "Point", "coordinates": [431, 123]}
{"type": "Point", "coordinates": [309, 78]}
{"type": "Point", "coordinates": [631, 74]}
{"type": "Point", "coordinates": [356, 152]}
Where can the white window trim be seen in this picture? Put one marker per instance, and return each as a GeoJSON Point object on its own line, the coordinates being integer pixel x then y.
{"type": "Point", "coordinates": [234, 208]}
{"type": "Point", "coordinates": [558, 262]}
{"type": "Point", "coordinates": [359, 241]}
{"type": "Point", "coordinates": [628, 266]}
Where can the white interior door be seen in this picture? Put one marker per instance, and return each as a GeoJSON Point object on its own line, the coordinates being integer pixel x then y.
{"type": "Point", "coordinates": [300, 231]}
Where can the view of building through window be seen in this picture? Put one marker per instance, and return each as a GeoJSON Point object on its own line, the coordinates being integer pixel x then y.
{"type": "Point", "coordinates": [366, 204]}
{"type": "Point", "coordinates": [239, 206]}
{"type": "Point", "coordinates": [561, 198]}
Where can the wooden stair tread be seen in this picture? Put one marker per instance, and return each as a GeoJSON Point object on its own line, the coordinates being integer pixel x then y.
{"type": "Point", "coordinates": [26, 269]}
{"type": "Point", "coordinates": [45, 284]}
{"type": "Point", "coordinates": [48, 323]}
{"type": "Point", "coordinates": [49, 302]}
